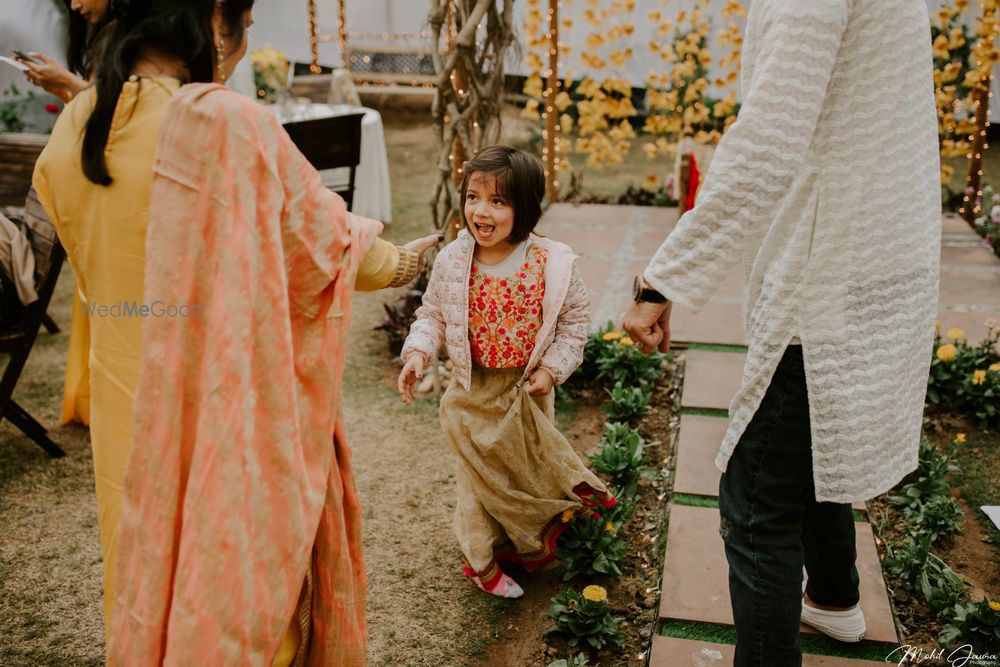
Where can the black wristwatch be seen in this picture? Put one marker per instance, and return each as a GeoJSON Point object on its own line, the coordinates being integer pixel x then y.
{"type": "Point", "coordinates": [641, 292]}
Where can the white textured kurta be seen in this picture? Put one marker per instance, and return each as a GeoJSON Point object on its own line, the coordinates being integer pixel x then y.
{"type": "Point", "coordinates": [827, 187]}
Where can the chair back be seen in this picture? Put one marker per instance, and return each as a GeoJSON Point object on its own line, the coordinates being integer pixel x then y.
{"type": "Point", "coordinates": [18, 153]}
{"type": "Point", "coordinates": [330, 143]}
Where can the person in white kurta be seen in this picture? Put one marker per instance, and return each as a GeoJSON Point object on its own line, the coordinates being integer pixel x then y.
{"type": "Point", "coordinates": [827, 188]}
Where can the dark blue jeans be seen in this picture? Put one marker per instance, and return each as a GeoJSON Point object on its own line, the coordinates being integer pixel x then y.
{"type": "Point", "coordinates": [772, 526]}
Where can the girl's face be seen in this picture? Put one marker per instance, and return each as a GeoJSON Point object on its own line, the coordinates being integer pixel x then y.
{"type": "Point", "coordinates": [91, 10]}
{"type": "Point", "coordinates": [490, 217]}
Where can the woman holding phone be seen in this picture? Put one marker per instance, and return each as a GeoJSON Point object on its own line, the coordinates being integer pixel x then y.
{"type": "Point", "coordinates": [86, 29]}
{"type": "Point", "coordinates": [87, 20]}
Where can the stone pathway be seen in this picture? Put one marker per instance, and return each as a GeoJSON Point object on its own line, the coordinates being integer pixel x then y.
{"type": "Point", "coordinates": [615, 243]}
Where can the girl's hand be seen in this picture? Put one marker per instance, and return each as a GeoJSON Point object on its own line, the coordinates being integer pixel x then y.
{"type": "Point", "coordinates": [540, 382]}
{"type": "Point", "coordinates": [53, 77]}
{"type": "Point", "coordinates": [422, 245]}
{"type": "Point", "coordinates": [412, 373]}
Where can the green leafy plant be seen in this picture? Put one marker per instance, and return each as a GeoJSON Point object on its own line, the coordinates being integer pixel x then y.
{"type": "Point", "coordinates": [610, 357]}
{"type": "Point", "coordinates": [937, 517]}
{"type": "Point", "coordinates": [579, 660]}
{"type": "Point", "coordinates": [941, 587]}
{"type": "Point", "coordinates": [400, 316]}
{"type": "Point", "coordinates": [976, 625]}
{"type": "Point", "coordinates": [922, 572]}
{"type": "Point", "coordinates": [928, 480]}
{"type": "Point", "coordinates": [981, 390]}
{"type": "Point", "coordinates": [592, 543]}
{"type": "Point", "coordinates": [585, 617]}
{"type": "Point", "coordinates": [626, 404]}
{"type": "Point", "coordinates": [13, 108]}
{"type": "Point", "coordinates": [621, 456]}
{"type": "Point", "coordinates": [965, 377]}
{"type": "Point", "coordinates": [907, 561]}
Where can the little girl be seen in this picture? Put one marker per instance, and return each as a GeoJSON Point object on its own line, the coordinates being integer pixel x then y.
{"type": "Point", "coordinates": [513, 312]}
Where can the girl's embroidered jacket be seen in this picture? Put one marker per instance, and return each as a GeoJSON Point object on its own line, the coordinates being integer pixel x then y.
{"type": "Point", "coordinates": [444, 315]}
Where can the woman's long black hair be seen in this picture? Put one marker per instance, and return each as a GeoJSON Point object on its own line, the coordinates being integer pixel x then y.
{"type": "Point", "coordinates": [84, 39]}
{"type": "Point", "coordinates": [180, 29]}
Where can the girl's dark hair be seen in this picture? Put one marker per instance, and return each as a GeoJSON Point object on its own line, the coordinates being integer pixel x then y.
{"type": "Point", "coordinates": [84, 39]}
{"type": "Point", "coordinates": [177, 28]}
{"type": "Point", "coordinates": [520, 181]}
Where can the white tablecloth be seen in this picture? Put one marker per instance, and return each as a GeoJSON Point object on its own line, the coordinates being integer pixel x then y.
{"type": "Point", "coordinates": [372, 190]}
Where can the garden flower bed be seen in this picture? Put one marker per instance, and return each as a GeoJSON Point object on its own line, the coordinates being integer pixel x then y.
{"type": "Point", "coordinates": [941, 554]}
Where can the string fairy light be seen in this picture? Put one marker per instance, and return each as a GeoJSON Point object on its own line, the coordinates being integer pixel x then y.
{"type": "Point", "coordinates": [313, 39]}
{"type": "Point", "coordinates": [550, 150]}
{"type": "Point", "coordinates": [342, 30]}
{"type": "Point", "coordinates": [979, 81]}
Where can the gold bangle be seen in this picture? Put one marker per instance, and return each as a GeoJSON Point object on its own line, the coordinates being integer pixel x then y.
{"type": "Point", "coordinates": [406, 270]}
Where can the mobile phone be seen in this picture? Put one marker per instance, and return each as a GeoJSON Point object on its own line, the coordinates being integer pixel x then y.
{"type": "Point", "coordinates": [14, 63]}
{"type": "Point", "coordinates": [24, 56]}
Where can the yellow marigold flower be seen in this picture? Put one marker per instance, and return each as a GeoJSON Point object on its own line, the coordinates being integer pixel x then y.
{"type": "Point", "coordinates": [613, 335]}
{"type": "Point", "coordinates": [937, 325]}
{"type": "Point", "coordinates": [609, 527]}
{"type": "Point", "coordinates": [995, 367]}
{"type": "Point", "coordinates": [960, 438]}
{"type": "Point", "coordinates": [530, 109]}
{"type": "Point", "coordinates": [947, 352]}
{"type": "Point", "coordinates": [956, 334]}
{"type": "Point", "coordinates": [571, 604]}
{"type": "Point", "coordinates": [941, 47]}
{"type": "Point", "coordinates": [626, 341]}
{"type": "Point", "coordinates": [994, 605]}
{"type": "Point", "coordinates": [978, 377]}
{"type": "Point", "coordinates": [567, 515]}
{"type": "Point", "coordinates": [595, 593]}
{"type": "Point", "coordinates": [651, 182]}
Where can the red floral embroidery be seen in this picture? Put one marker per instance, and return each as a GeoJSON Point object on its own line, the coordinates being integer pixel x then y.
{"type": "Point", "coordinates": [506, 314]}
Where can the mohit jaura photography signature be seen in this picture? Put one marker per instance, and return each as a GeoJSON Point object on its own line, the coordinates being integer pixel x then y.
{"type": "Point", "coordinates": [963, 656]}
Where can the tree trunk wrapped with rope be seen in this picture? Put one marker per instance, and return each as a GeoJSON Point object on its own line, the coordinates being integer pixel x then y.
{"type": "Point", "coordinates": [472, 38]}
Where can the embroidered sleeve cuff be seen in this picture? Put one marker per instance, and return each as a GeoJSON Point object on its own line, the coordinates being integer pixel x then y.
{"type": "Point", "coordinates": [407, 269]}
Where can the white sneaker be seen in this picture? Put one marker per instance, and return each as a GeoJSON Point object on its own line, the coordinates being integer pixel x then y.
{"type": "Point", "coordinates": [846, 626]}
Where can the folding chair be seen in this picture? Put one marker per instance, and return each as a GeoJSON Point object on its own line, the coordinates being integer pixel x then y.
{"type": "Point", "coordinates": [20, 151]}
{"type": "Point", "coordinates": [331, 143]}
{"type": "Point", "coordinates": [18, 339]}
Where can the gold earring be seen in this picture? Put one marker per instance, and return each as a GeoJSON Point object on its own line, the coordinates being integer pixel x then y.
{"type": "Point", "coordinates": [220, 58]}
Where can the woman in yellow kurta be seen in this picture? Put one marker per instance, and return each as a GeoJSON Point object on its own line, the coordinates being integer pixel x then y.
{"type": "Point", "coordinates": [103, 225]}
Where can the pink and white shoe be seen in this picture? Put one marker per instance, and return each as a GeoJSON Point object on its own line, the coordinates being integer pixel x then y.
{"type": "Point", "coordinates": [505, 587]}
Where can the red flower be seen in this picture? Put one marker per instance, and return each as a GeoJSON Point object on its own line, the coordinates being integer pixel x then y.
{"type": "Point", "coordinates": [52, 107]}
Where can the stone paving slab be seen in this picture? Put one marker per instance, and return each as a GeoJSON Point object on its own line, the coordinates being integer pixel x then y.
{"type": "Point", "coordinates": [972, 322]}
{"type": "Point", "coordinates": [696, 580]}
{"type": "Point", "coordinates": [980, 288]}
{"type": "Point", "coordinates": [614, 242]}
{"type": "Point", "coordinates": [697, 445]}
{"type": "Point", "coordinates": [672, 652]}
{"type": "Point", "coordinates": [711, 379]}
{"type": "Point", "coordinates": [698, 442]}
{"type": "Point", "coordinates": [717, 324]}
{"type": "Point", "coordinates": [970, 254]}
{"type": "Point", "coordinates": [954, 226]}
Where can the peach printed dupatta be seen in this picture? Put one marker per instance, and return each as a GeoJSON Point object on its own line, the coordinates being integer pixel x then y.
{"type": "Point", "coordinates": [239, 479]}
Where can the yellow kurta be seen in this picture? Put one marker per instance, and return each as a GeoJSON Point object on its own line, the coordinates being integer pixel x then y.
{"type": "Point", "coordinates": [103, 230]}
